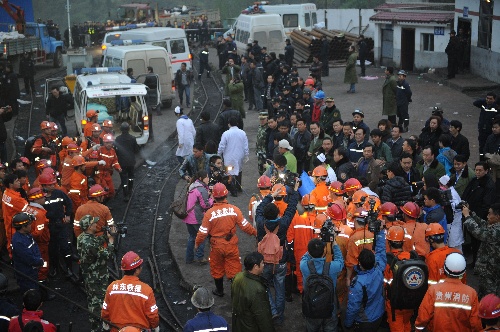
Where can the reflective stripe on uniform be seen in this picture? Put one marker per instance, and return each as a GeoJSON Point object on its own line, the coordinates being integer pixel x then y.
{"type": "Point", "coordinates": [388, 281]}
{"type": "Point", "coordinates": [244, 222]}
{"type": "Point", "coordinates": [452, 305]}
{"type": "Point", "coordinates": [203, 230]}
{"type": "Point", "coordinates": [303, 226]}
{"type": "Point", "coordinates": [363, 241]}
{"type": "Point", "coordinates": [110, 221]}
{"type": "Point", "coordinates": [129, 293]}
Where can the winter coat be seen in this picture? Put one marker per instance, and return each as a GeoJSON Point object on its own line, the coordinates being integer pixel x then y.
{"type": "Point", "coordinates": [344, 170]}
{"type": "Point", "coordinates": [300, 143]}
{"type": "Point", "coordinates": [460, 145]}
{"type": "Point", "coordinates": [480, 194]}
{"type": "Point", "coordinates": [435, 168]}
{"type": "Point", "coordinates": [236, 96]}
{"type": "Point", "coordinates": [436, 214]}
{"type": "Point", "coordinates": [186, 134]}
{"type": "Point", "coordinates": [445, 157]}
{"type": "Point", "coordinates": [396, 190]}
{"type": "Point", "coordinates": [207, 131]}
{"type": "Point", "coordinates": [464, 179]}
{"type": "Point", "coordinates": [328, 117]}
{"type": "Point", "coordinates": [199, 198]}
{"type": "Point", "coordinates": [403, 93]}
{"type": "Point", "coordinates": [389, 96]}
{"type": "Point", "coordinates": [350, 75]}
{"type": "Point", "coordinates": [189, 166]}
{"type": "Point", "coordinates": [372, 172]}
{"type": "Point", "coordinates": [428, 137]}
{"type": "Point", "coordinates": [5, 117]}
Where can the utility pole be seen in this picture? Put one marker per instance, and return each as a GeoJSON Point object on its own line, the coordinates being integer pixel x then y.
{"type": "Point", "coordinates": [326, 20]}
{"type": "Point", "coordinates": [68, 7]}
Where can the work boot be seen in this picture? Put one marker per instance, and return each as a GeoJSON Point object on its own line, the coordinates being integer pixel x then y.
{"type": "Point", "coordinates": [208, 74]}
{"type": "Point", "coordinates": [199, 77]}
{"type": "Point", "coordinates": [125, 193]}
{"type": "Point", "coordinates": [288, 288]}
{"type": "Point", "coordinates": [219, 287]}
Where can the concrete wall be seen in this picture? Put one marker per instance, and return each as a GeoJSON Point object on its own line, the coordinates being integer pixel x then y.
{"type": "Point", "coordinates": [348, 20]}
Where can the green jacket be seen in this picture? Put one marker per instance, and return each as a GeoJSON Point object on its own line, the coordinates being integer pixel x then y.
{"type": "Point", "coordinates": [291, 162]}
{"type": "Point", "coordinates": [466, 177]}
{"type": "Point", "coordinates": [435, 168]}
{"type": "Point", "coordinates": [236, 96]}
{"type": "Point", "coordinates": [389, 89]}
{"type": "Point", "coordinates": [382, 152]}
{"type": "Point", "coordinates": [350, 75]}
{"type": "Point", "coordinates": [328, 116]}
{"type": "Point", "coordinates": [251, 310]}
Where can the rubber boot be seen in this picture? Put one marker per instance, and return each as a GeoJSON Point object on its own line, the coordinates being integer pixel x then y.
{"type": "Point", "coordinates": [219, 287]}
{"type": "Point", "coordinates": [208, 74]}
{"type": "Point", "coordinates": [406, 124]}
{"type": "Point", "coordinates": [125, 193]}
{"type": "Point", "coordinates": [288, 288]}
{"type": "Point", "coordinates": [199, 77]}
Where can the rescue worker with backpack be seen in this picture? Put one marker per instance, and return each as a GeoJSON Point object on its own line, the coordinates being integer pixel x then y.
{"type": "Point", "coordinates": [271, 234]}
{"type": "Point", "coordinates": [404, 288]}
{"type": "Point", "coordinates": [42, 146]}
{"type": "Point", "coordinates": [320, 280]}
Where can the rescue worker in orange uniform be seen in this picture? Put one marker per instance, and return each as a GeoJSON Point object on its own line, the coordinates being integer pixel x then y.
{"type": "Point", "coordinates": [360, 239]}
{"type": "Point", "coordinates": [93, 141]}
{"type": "Point", "coordinates": [415, 231]}
{"type": "Point", "coordinates": [43, 147]}
{"type": "Point", "coordinates": [92, 117]}
{"type": "Point", "coordinates": [92, 172]}
{"type": "Point", "coordinates": [95, 208]}
{"type": "Point", "coordinates": [108, 154]}
{"type": "Point", "coordinates": [298, 235]}
{"type": "Point", "coordinates": [68, 169]}
{"type": "Point", "coordinates": [351, 186]}
{"type": "Point", "coordinates": [489, 312]}
{"type": "Point", "coordinates": [401, 320]}
{"type": "Point", "coordinates": [264, 185]}
{"type": "Point", "coordinates": [450, 306]}
{"type": "Point", "coordinates": [279, 200]}
{"type": "Point", "coordinates": [107, 128]}
{"type": "Point", "coordinates": [321, 193]}
{"type": "Point", "coordinates": [220, 223]}
{"type": "Point", "coordinates": [12, 203]}
{"type": "Point", "coordinates": [40, 227]}
{"type": "Point", "coordinates": [356, 200]}
{"type": "Point", "coordinates": [434, 235]}
{"type": "Point", "coordinates": [78, 187]}
{"type": "Point", "coordinates": [129, 301]}
{"type": "Point", "coordinates": [63, 153]}
{"type": "Point", "coordinates": [40, 166]}
{"type": "Point", "coordinates": [388, 212]}
{"type": "Point", "coordinates": [337, 192]}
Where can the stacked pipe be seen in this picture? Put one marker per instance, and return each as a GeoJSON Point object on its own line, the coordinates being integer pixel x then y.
{"type": "Point", "coordinates": [308, 43]}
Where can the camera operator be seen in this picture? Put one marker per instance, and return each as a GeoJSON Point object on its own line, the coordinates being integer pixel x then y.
{"type": "Point", "coordinates": [277, 169]}
{"type": "Point", "coordinates": [218, 173]}
{"type": "Point", "coordinates": [197, 161]}
{"type": "Point", "coordinates": [94, 256]}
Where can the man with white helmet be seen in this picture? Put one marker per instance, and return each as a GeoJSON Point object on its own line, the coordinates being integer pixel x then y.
{"type": "Point", "coordinates": [205, 320]}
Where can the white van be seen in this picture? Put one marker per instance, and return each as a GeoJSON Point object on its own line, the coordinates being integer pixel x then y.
{"type": "Point", "coordinates": [139, 57]}
{"type": "Point", "coordinates": [267, 29]}
{"type": "Point", "coordinates": [172, 39]}
{"type": "Point", "coordinates": [301, 16]}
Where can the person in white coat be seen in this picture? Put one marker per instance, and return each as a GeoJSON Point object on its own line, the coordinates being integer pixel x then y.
{"type": "Point", "coordinates": [185, 133]}
{"type": "Point", "coordinates": [455, 229]}
{"type": "Point", "coordinates": [233, 148]}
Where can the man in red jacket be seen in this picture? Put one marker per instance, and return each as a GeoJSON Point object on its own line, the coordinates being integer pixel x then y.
{"type": "Point", "coordinates": [32, 301]}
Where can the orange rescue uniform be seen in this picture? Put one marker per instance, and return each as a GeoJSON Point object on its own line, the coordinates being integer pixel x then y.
{"type": "Point", "coordinates": [12, 203]}
{"type": "Point", "coordinates": [360, 239]}
{"type": "Point", "coordinates": [281, 205]}
{"type": "Point", "coordinates": [79, 190]}
{"type": "Point", "coordinates": [95, 209]}
{"type": "Point", "coordinates": [39, 144]}
{"type": "Point", "coordinates": [300, 232]}
{"type": "Point", "coordinates": [220, 223]}
{"type": "Point", "coordinates": [435, 262]}
{"type": "Point", "coordinates": [106, 171]}
{"type": "Point", "coordinates": [342, 239]}
{"type": "Point", "coordinates": [415, 238]}
{"type": "Point", "coordinates": [322, 196]}
{"type": "Point", "coordinates": [129, 301]}
{"type": "Point", "coordinates": [41, 234]}
{"type": "Point", "coordinates": [449, 307]}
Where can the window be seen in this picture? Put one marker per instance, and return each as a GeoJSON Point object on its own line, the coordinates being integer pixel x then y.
{"type": "Point", "coordinates": [160, 43]}
{"type": "Point", "coordinates": [275, 36]}
{"type": "Point", "coordinates": [261, 36]}
{"type": "Point", "coordinates": [177, 46]}
{"type": "Point", "coordinates": [290, 21]}
{"type": "Point", "coordinates": [138, 65]}
{"type": "Point", "coordinates": [485, 24]}
{"type": "Point", "coordinates": [315, 18]}
{"type": "Point", "coordinates": [428, 42]}
{"type": "Point", "coordinates": [308, 20]}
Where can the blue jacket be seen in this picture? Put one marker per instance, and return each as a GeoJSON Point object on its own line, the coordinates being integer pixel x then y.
{"type": "Point", "coordinates": [283, 222]}
{"type": "Point", "coordinates": [27, 259]}
{"type": "Point", "coordinates": [355, 151]}
{"type": "Point", "coordinates": [206, 321]}
{"type": "Point", "coordinates": [190, 165]}
{"type": "Point", "coordinates": [370, 282]}
{"type": "Point", "coordinates": [436, 214]}
{"type": "Point", "coordinates": [445, 157]}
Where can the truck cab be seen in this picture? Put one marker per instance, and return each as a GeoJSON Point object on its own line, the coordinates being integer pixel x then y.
{"type": "Point", "coordinates": [52, 48]}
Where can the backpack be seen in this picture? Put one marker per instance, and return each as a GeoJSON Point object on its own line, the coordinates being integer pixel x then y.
{"type": "Point", "coordinates": [319, 293]}
{"type": "Point", "coordinates": [409, 282]}
{"type": "Point", "coordinates": [179, 205]}
{"type": "Point", "coordinates": [28, 146]}
{"type": "Point", "coordinates": [270, 246]}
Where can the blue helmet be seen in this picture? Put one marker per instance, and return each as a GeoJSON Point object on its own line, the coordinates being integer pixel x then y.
{"type": "Point", "coordinates": [319, 95]}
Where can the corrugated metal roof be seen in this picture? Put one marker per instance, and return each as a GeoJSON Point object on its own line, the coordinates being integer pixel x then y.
{"type": "Point", "coordinates": [413, 17]}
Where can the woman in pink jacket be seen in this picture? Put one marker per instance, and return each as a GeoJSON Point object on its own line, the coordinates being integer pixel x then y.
{"type": "Point", "coordinates": [199, 200]}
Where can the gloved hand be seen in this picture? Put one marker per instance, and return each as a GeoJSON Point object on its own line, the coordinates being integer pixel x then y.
{"type": "Point", "coordinates": [102, 162]}
{"type": "Point", "coordinates": [96, 147]}
{"type": "Point", "coordinates": [105, 326]}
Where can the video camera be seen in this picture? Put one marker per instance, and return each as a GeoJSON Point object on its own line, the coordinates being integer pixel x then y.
{"type": "Point", "coordinates": [327, 232]}
{"type": "Point", "coordinates": [121, 229]}
{"type": "Point", "coordinates": [374, 224]}
{"type": "Point", "coordinates": [289, 179]}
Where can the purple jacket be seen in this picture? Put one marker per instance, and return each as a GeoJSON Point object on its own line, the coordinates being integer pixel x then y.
{"type": "Point", "coordinates": [197, 197]}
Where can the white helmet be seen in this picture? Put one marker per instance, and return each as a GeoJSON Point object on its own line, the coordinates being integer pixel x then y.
{"type": "Point", "coordinates": [202, 298]}
{"type": "Point", "coordinates": [455, 265]}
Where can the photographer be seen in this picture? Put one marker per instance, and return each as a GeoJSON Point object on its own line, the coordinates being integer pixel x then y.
{"type": "Point", "coordinates": [218, 173]}
{"type": "Point", "coordinates": [94, 256]}
{"type": "Point", "coordinates": [197, 161]}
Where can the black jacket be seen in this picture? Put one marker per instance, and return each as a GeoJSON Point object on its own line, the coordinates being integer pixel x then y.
{"type": "Point", "coordinates": [396, 190]}
{"type": "Point", "coordinates": [492, 144]}
{"type": "Point", "coordinates": [207, 131]}
{"type": "Point", "coordinates": [410, 178]}
{"type": "Point", "coordinates": [59, 106]}
{"type": "Point", "coordinates": [344, 170]}
{"type": "Point", "coordinates": [403, 93]}
{"type": "Point", "coordinates": [480, 194]}
{"type": "Point", "coordinates": [58, 205]}
{"type": "Point", "coordinates": [460, 145]}
{"type": "Point", "coordinates": [396, 147]}
{"type": "Point", "coordinates": [428, 137]}
{"type": "Point", "coordinates": [223, 120]}
{"type": "Point", "coordinates": [485, 117]}
{"type": "Point", "coordinates": [301, 144]}
{"type": "Point", "coordinates": [5, 117]}
{"type": "Point", "coordinates": [126, 147]}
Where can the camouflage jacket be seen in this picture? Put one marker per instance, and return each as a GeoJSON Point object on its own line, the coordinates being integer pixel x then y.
{"type": "Point", "coordinates": [488, 256]}
{"type": "Point", "coordinates": [261, 139]}
{"type": "Point", "coordinates": [94, 256]}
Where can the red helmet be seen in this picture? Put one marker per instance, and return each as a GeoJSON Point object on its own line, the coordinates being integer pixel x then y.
{"type": "Point", "coordinates": [53, 126]}
{"type": "Point", "coordinates": [352, 184]}
{"type": "Point", "coordinates": [77, 161]}
{"type": "Point", "coordinates": [219, 190]}
{"type": "Point", "coordinates": [107, 123]}
{"type": "Point", "coordinates": [94, 155]}
{"type": "Point", "coordinates": [388, 209]}
{"type": "Point", "coordinates": [131, 261]}
{"type": "Point", "coordinates": [36, 193]}
{"type": "Point", "coordinates": [489, 307]}
{"type": "Point", "coordinates": [337, 187]}
{"type": "Point", "coordinates": [45, 125]}
{"type": "Point", "coordinates": [434, 229]}
{"type": "Point", "coordinates": [96, 191]}
{"type": "Point", "coordinates": [66, 141]}
{"type": "Point", "coordinates": [264, 182]}
{"type": "Point", "coordinates": [25, 161]}
{"type": "Point", "coordinates": [411, 209]}
{"type": "Point", "coordinates": [319, 171]}
{"type": "Point", "coordinates": [91, 113]}
{"type": "Point", "coordinates": [307, 199]}
{"type": "Point", "coordinates": [396, 234]}
{"type": "Point", "coordinates": [46, 178]}
{"type": "Point", "coordinates": [359, 197]}
{"type": "Point", "coordinates": [72, 147]}
{"type": "Point", "coordinates": [96, 127]}
{"type": "Point", "coordinates": [42, 163]}
{"type": "Point", "coordinates": [130, 329]}
{"type": "Point", "coordinates": [309, 81]}
{"type": "Point", "coordinates": [281, 188]}
{"type": "Point", "coordinates": [108, 138]}
{"type": "Point", "coordinates": [336, 211]}
{"type": "Point", "coordinates": [360, 215]}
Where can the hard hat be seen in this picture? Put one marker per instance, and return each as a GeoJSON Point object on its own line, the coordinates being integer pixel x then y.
{"type": "Point", "coordinates": [130, 329]}
{"type": "Point", "coordinates": [336, 211]}
{"type": "Point", "coordinates": [264, 182]}
{"type": "Point", "coordinates": [402, 72]}
{"type": "Point", "coordinates": [434, 229]}
{"type": "Point", "coordinates": [77, 161]}
{"type": "Point", "coordinates": [319, 95]}
{"type": "Point", "coordinates": [319, 171]}
{"type": "Point", "coordinates": [45, 125]}
{"type": "Point", "coordinates": [25, 160]}
{"type": "Point", "coordinates": [43, 163]}
{"type": "Point", "coordinates": [4, 283]}
{"type": "Point", "coordinates": [388, 209]}
{"type": "Point", "coordinates": [307, 199]}
{"type": "Point", "coordinates": [202, 298]}
{"type": "Point", "coordinates": [36, 193]}
{"type": "Point", "coordinates": [108, 138]}
{"type": "Point", "coordinates": [337, 188]}
{"type": "Point", "coordinates": [455, 265]}
{"type": "Point", "coordinates": [22, 218]}
{"type": "Point", "coordinates": [411, 209]}
{"type": "Point", "coordinates": [87, 220]}
{"type": "Point", "coordinates": [320, 218]}
{"type": "Point", "coordinates": [131, 261]}
{"type": "Point", "coordinates": [66, 141]}
{"type": "Point", "coordinates": [72, 147]}
{"type": "Point", "coordinates": [360, 214]}
{"type": "Point", "coordinates": [219, 190]}
{"type": "Point", "coordinates": [96, 127]}
{"type": "Point", "coordinates": [53, 126]}
{"type": "Point", "coordinates": [46, 178]}
{"type": "Point", "coordinates": [107, 123]}
{"type": "Point", "coordinates": [359, 197]}
{"type": "Point", "coordinates": [396, 234]}
{"type": "Point", "coordinates": [352, 184]}
{"type": "Point", "coordinates": [489, 307]}
{"type": "Point", "coordinates": [91, 113]}
{"type": "Point", "coordinates": [281, 188]}
{"type": "Point", "coordinates": [96, 191]}
{"type": "Point", "coordinates": [309, 81]}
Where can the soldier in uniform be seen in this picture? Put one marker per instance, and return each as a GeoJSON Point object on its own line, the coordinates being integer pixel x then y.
{"type": "Point", "coordinates": [261, 141]}
{"type": "Point", "coordinates": [94, 257]}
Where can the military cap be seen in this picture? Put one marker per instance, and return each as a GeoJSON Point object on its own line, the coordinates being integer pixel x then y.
{"type": "Point", "coordinates": [87, 220]}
